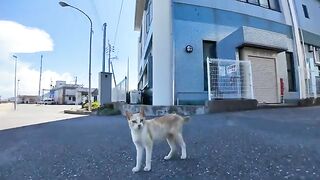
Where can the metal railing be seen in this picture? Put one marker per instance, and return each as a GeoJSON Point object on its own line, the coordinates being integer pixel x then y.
{"type": "Point", "coordinates": [120, 91]}
{"type": "Point", "coordinates": [229, 79]}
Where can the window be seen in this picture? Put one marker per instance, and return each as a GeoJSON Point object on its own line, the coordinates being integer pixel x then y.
{"type": "Point", "coordinates": [264, 3]}
{"type": "Point", "coordinates": [291, 72]}
{"type": "Point", "coordinates": [209, 51]}
{"type": "Point", "coordinates": [69, 98]}
{"type": "Point", "coordinates": [305, 11]}
{"type": "Point", "coordinates": [317, 58]}
{"type": "Point", "coordinates": [253, 2]}
{"type": "Point", "coordinates": [269, 4]}
{"type": "Point", "coordinates": [149, 14]}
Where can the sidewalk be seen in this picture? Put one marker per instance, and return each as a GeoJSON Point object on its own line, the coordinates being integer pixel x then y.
{"type": "Point", "coordinates": [30, 114]}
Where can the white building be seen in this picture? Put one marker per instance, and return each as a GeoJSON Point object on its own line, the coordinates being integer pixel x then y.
{"type": "Point", "coordinates": [64, 93]}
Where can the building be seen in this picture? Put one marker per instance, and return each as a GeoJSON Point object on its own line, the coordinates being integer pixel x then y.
{"type": "Point", "coordinates": [281, 39]}
{"type": "Point", "coordinates": [64, 93]}
{"type": "Point", "coordinates": [27, 99]}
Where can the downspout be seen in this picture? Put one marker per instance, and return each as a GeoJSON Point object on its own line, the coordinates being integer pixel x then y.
{"type": "Point", "coordinates": [299, 51]}
{"type": "Point", "coordinates": [173, 60]}
{"type": "Point", "coordinates": [307, 70]}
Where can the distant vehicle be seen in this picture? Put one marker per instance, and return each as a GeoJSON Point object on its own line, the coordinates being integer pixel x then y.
{"type": "Point", "coordinates": [47, 102]}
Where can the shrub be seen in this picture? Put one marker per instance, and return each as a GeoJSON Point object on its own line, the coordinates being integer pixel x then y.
{"type": "Point", "coordinates": [94, 106]}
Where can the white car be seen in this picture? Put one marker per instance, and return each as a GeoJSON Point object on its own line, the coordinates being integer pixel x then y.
{"type": "Point", "coordinates": [47, 102]}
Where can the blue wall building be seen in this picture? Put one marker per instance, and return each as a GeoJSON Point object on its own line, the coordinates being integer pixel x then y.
{"type": "Point", "coordinates": [281, 39]}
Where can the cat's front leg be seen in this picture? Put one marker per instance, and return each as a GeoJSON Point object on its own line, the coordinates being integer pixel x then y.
{"type": "Point", "coordinates": [138, 158]}
{"type": "Point", "coordinates": [148, 157]}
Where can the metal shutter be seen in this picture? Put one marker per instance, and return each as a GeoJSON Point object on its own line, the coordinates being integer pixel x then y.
{"type": "Point", "coordinates": [264, 79]}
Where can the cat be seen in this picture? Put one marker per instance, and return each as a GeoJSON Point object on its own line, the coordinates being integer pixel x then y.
{"type": "Point", "coordinates": [145, 132]}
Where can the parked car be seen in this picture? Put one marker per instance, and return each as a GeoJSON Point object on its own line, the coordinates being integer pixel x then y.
{"type": "Point", "coordinates": [46, 102]}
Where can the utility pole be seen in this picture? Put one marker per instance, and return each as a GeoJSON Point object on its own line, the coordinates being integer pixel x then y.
{"type": "Point", "coordinates": [128, 75]}
{"type": "Point", "coordinates": [18, 88]}
{"type": "Point", "coordinates": [109, 53]}
{"type": "Point", "coordinates": [40, 76]}
{"type": "Point", "coordinates": [114, 78]}
{"type": "Point", "coordinates": [76, 80]}
{"type": "Point", "coordinates": [104, 48]}
{"type": "Point", "coordinates": [15, 82]}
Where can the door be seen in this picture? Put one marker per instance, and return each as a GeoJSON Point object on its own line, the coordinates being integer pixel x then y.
{"type": "Point", "coordinates": [264, 79]}
{"type": "Point", "coordinates": [209, 51]}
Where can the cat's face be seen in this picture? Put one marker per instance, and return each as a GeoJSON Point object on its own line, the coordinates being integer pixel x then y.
{"type": "Point", "coordinates": [135, 121]}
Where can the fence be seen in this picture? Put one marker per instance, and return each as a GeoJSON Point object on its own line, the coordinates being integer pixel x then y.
{"type": "Point", "coordinates": [312, 79]}
{"type": "Point", "coordinates": [318, 85]}
{"type": "Point", "coordinates": [229, 79]}
{"type": "Point", "coordinates": [119, 92]}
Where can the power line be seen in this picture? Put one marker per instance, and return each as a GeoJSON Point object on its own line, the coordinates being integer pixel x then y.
{"type": "Point", "coordinates": [116, 34]}
{"type": "Point", "coordinates": [96, 12]}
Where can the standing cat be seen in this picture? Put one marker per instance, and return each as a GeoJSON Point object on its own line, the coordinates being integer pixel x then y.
{"type": "Point", "coordinates": [145, 132]}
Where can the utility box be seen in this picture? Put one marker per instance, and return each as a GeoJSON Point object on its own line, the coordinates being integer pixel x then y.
{"type": "Point", "coordinates": [135, 97]}
{"type": "Point", "coordinates": [105, 87]}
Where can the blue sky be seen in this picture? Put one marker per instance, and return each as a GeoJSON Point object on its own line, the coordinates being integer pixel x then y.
{"type": "Point", "coordinates": [69, 33]}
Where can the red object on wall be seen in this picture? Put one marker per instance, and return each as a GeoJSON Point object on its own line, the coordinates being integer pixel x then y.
{"type": "Point", "coordinates": [281, 87]}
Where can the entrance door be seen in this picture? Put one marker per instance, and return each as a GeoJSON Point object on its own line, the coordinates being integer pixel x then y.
{"type": "Point", "coordinates": [264, 79]}
{"type": "Point", "coordinates": [209, 51]}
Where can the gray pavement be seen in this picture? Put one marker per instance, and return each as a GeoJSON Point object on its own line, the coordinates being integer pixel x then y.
{"type": "Point", "coordinates": [30, 114]}
{"type": "Point", "coordinates": [262, 144]}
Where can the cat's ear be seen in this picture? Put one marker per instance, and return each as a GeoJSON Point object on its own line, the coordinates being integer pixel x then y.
{"type": "Point", "coordinates": [128, 115]}
{"type": "Point", "coordinates": [142, 114]}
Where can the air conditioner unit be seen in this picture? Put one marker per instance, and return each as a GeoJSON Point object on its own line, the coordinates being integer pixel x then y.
{"type": "Point", "coordinates": [135, 97]}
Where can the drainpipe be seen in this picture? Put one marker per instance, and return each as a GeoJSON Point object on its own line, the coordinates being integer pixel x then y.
{"type": "Point", "coordinates": [298, 48]}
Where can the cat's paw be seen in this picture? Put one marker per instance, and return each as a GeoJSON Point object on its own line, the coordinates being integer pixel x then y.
{"type": "Point", "coordinates": [167, 157]}
{"type": "Point", "coordinates": [135, 169]}
{"type": "Point", "coordinates": [147, 168]}
{"type": "Point", "coordinates": [183, 157]}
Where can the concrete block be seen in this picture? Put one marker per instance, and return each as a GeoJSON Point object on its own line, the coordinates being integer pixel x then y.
{"type": "Point", "coordinates": [216, 106]}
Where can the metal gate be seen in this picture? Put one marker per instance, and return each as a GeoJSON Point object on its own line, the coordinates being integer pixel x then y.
{"type": "Point", "coordinates": [229, 79]}
{"type": "Point", "coordinates": [119, 92]}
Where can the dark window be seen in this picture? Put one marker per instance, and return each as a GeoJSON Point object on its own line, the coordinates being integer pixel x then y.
{"type": "Point", "coordinates": [253, 2]}
{"type": "Point", "coordinates": [270, 4]}
{"type": "Point", "coordinates": [73, 98]}
{"type": "Point", "coordinates": [209, 51]}
{"type": "Point", "coordinates": [305, 11]}
{"type": "Point", "coordinates": [69, 98]}
{"type": "Point", "coordinates": [149, 66]}
{"type": "Point", "coordinates": [291, 72]}
{"type": "Point", "coordinates": [274, 4]}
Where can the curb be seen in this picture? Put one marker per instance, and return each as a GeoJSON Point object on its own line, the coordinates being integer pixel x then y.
{"type": "Point", "coordinates": [79, 112]}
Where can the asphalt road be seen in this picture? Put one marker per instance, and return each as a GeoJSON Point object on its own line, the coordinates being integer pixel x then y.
{"type": "Point", "coordinates": [262, 144]}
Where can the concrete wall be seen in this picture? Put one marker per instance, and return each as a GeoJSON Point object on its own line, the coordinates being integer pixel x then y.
{"type": "Point", "coordinates": [312, 24]}
{"type": "Point", "coordinates": [242, 8]}
{"type": "Point", "coordinates": [162, 53]}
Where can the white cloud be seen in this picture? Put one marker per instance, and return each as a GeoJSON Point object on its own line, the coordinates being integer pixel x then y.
{"type": "Point", "coordinates": [29, 79]}
{"type": "Point", "coordinates": [16, 38]}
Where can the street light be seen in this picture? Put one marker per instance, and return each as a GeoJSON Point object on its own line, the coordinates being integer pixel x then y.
{"type": "Point", "coordinates": [63, 4]}
{"type": "Point", "coordinates": [15, 82]}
